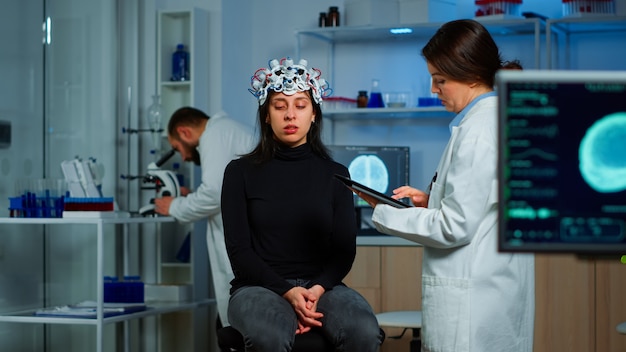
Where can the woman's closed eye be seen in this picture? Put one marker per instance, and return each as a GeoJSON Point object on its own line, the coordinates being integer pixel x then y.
{"type": "Point", "coordinates": [280, 106]}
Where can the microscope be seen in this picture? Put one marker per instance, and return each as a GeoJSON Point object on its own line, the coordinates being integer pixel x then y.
{"type": "Point", "coordinates": [165, 182]}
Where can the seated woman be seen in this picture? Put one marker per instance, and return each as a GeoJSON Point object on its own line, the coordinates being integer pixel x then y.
{"type": "Point", "coordinates": [289, 225]}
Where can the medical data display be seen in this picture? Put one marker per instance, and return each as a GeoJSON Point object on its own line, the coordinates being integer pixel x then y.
{"type": "Point", "coordinates": [382, 168]}
{"type": "Point", "coordinates": [562, 161]}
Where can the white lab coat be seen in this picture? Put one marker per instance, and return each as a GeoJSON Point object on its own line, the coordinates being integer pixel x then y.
{"type": "Point", "coordinates": [222, 141]}
{"type": "Point", "coordinates": [475, 299]}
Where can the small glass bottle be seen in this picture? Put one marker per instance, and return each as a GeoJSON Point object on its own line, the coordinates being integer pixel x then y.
{"type": "Point", "coordinates": [322, 20]}
{"type": "Point", "coordinates": [332, 20]}
{"type": "Point", "coordinates": [361, 99]}
{"type": "Point", "coordinates": [376, 98]}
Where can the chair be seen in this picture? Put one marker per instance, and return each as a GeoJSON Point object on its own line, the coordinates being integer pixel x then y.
{"type": "Point", "coordinates": [230, 340]}
{"type": "Point", "coordinates": [407, 319]}
{"type": "Point", "coordinates": [621, 328]}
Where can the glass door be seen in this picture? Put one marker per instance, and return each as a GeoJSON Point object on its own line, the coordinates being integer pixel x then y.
{"type": "Point", "coordinates": [80, 122]}
{"type": "Point", "coordinates": [21, 159]}
{"type": "Point", "coordinates": [58, 65]}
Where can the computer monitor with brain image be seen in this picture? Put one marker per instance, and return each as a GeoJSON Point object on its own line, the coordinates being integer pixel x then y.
{"type": "Point", "coordinates": [382, 168]}
{"type": "Point", "coordinates": [562, 162]}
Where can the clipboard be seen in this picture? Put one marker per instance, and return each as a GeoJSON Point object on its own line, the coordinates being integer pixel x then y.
{"type": "Point", "coordinates": [371, 192]}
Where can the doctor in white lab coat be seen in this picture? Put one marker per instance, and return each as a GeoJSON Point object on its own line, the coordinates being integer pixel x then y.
{"type": "Point", "coordinates": [475, 299]}
{"type": "Point", "coordinates": [211, 143]}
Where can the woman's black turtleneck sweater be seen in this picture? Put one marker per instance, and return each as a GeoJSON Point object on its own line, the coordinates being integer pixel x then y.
{"type": "Point", "coordinates": [288, 218]}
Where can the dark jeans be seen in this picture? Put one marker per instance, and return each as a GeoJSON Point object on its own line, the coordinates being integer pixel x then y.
{"type": "Point", "coordinates": [268, 322]}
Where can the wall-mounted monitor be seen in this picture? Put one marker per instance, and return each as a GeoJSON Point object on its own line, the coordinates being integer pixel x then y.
{"type": "Point", "coordinates": [562, 161]}
{"type": "Point", "coordinates": [383, 168]}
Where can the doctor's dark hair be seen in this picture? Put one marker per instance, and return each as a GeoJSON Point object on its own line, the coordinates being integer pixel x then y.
{"type": "Point", "coordinates": [185, 116]}
{"type": "Point", "coordinates": [464, 51]}
{"type": "Point", "coordinates": [268, 145]}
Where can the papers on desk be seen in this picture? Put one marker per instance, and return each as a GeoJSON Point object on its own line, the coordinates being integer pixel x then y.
{"type": "Point", "coordinates": [88, 309]}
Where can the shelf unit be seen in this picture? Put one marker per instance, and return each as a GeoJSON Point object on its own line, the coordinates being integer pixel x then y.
{"type": "Point", "coordinates": [418, 31]}
{"type": "Point", "coordinates": [191, 28]}
{"type": "Point", "coordinates": [434, 114]}
{"type": "Point", "coordinates": [153, 309]}
{"type": "Point", "coordinates": [386, 113]}
{"type": "Point", "coordinates": [579, 25]}
{"type": "Point", "coordinates": [333, 36]}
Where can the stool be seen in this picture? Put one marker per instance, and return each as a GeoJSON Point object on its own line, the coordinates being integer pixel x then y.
{"type": "Point", "coordinates": [621, 328]}
{"type": "Point", "coordinates": [230, 340]}
{"type": "Point", "coordinates": [407, 319]}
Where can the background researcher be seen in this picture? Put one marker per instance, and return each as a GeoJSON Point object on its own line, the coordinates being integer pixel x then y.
{"type": "Point", "coordinates": [210, 143]}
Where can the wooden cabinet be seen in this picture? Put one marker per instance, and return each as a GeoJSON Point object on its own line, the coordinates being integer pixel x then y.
{"type": "Point", "coordinates": [579, 301]}
{"type": "Point", "coordinates": [390, 278]}
{"type": "Point", "coordinates": [579, 304]}
{"type": "Point", "coordinates": [564, 303]}
{"type": "Point", "coordinates": [365, 275]}
{"type": "Point", "coordinates": [610, 305]}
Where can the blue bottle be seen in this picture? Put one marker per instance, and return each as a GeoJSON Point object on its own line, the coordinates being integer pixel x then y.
{"type": "Point", "coordinates": [180, 64]}
{"type": "Point", "coordinates": [179, 175]}
{"type": "Point", "coordinates": [376, 97]}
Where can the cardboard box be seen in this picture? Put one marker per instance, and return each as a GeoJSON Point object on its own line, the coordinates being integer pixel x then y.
{"type": "Point", "coordinates": [371, 13]}
{"type": "Point", "coordinates": [423, 11]}
{"type": "Point", "coordinates": [167, 293]}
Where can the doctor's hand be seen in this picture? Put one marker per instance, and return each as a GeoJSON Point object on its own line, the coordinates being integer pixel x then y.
{"type": "Point", "coordinates": [373, 202]}
{"type": "Point", "coordinates": [418, 198]}
{"type": "Point", "coordinates": [184, 191]}
{"type": "Point", "coordinates": [162, 205]}
{"type": "Point", "coordinates": [304, 303]}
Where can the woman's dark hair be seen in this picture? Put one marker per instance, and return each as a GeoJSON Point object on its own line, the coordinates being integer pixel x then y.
{"type": "Point", "coordinates": [512, 65]}
{"type": "Point", "coordinates": [267, 146]}
{"type": "Point", "coordinates": [185, 116]}
{"type": "Point", "coordinates": [464, 51]}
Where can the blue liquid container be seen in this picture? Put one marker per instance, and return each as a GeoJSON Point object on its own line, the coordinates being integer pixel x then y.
{"type": "Point", "coordinates": [376, 97]}
{"type": "Point", "coordinates": [376, 100]}
{"type": "Point", "coordinates": [180, 64]}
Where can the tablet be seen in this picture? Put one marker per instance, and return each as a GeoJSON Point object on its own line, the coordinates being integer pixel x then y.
{"type": "Point", "coordinates": [355, 186]}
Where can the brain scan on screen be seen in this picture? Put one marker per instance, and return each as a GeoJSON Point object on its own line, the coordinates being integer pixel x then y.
{"type": "Point", "coordinates": [602, 154]}
{"type": "Point", "coordinates": [562, 161]}
{"type": "Point", "coordinates": [382, 168]}
{"type": "Point", "coordinates": [371, 171]}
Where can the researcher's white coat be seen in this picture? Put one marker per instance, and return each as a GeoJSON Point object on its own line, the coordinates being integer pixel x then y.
{"type": "Point", "coordinates": [222, 141]}
{"type": "Point", "coordinates": [474, 298]}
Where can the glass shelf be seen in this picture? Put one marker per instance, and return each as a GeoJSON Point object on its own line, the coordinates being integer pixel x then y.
{"type": "Point", "coordinates": [419, 30]}
{"type": "Point", "coordinates": [532, 27]}
{"type": "Point", "coordinates": [388, 113]}
{"type": "Point", "coordinates": [589, 24]}
{"type": "Point", "coordinates": [87, 220]}
{"type": "Point", "coordinates": [152, 309]}
{"type": "Point", "coordinates": [176, 83]}
{"type": "Point", "coordinates": [579, 25]}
